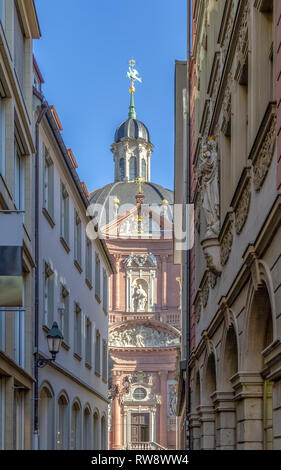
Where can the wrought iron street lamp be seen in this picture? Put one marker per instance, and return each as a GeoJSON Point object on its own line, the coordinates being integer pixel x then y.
{"type": "Point", "coordinates": [54, 339]}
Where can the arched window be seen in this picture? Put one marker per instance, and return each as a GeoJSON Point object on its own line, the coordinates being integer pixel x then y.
{"type": "Point", "coordinates": [96, 431]}
{"type": "Point", "coordinates": [143, 168]}
{"type": "Point", "coordinates": [87, 430]}
{"type": "Point", "coordinates": [76, 427]}
{"type": "Point", "coordinates": [62, 423]}
{"type": "Point", "coordinates": [133, 168]}
{"type": "Point", "coordinates": [103, 434]}
{"type": "Point", "coordinates": [46, 419]}
{"type": "Point", "coordinates": [122, 169]}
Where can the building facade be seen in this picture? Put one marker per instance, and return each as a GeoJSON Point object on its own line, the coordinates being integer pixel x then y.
{"type": "Point", "coordinates": [234, 365]}
{"type": "Point", "coordinates": [144, 316]}
{"type": "Point", "coordinates": [18, 28]}
{"type": "Point", "coordinates": [74, 267]}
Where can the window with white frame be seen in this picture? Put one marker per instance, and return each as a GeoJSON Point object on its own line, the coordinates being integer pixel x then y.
{"type": "Point", "coordinates": [48, 317]}
{"type": "Point", "coordinates": [19, 333]}
{"type": "Point", "coordinates": [105, 291]}
{"type": "Point", "coordinates": [88, 261]}
{"type": "Point", "coordinates": [19, 336]}
{"type": "Point", "coordinates": [104, 360]}
{"type": "Point", "coordinates": [19, 175]}
{"type": "Point", "coordinates": [19, 395]}
{"type": "Point", "coordinates": [77, 239]}
{"type": "Point", "coordinates": [88, 344]}
{"type": "Point", "coordinates": [3, 13]}
{"type": "Point", "coordinates": [2, 411]}
{"type": "Point", "coordinates": [77, 330]}
{"type": "Point", "coordinates": [64, 313]}
{"type": "Point", "coordinates": [48, 183]}
{"type": "Point", "coordinates": [97, 352]}
{"type": "Point", "coordinates": [2, 330]}
{"type": "Point", "coordinates": [2, 135]}
{"type": "Point", "coordinates": [64, 225]}
{"type": "Point", "coordinates": [19, 47]}
{"type": "Point", "coordinates": [97, 277]}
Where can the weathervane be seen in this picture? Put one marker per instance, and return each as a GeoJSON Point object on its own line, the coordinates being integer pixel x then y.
{"type": "Point", "coordinates": [133, 76]}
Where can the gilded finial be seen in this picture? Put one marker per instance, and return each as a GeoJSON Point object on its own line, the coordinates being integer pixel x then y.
{"type": "Point", "coordinates": [140, 181]}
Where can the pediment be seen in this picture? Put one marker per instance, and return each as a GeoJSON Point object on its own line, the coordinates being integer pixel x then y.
{"type": "Point", "coordinates": [130, 335]}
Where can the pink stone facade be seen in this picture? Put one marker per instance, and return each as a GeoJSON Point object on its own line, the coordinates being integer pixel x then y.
{"type": "Point", "coordinates": [149, 422]}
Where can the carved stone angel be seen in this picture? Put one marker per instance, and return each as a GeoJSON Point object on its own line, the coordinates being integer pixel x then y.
{"type": "Point", "coordinates": [208, 184]}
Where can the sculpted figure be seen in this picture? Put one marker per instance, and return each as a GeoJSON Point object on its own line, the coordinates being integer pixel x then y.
{"type": "Point", "coordinates": [208, 183]}
{"type": "Point", "coordinates": [140, 298]}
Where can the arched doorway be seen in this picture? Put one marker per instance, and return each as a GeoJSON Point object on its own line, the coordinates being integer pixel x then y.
{"type": "Point", "coordinates": [62, 423]}
{"type": "Point", "coordinates": [76, 426]}
{"type": "Point", "coordinates": [207, 412]}
{"type": "Point", "coordinates": [195, 417]}
{"type": "Point", "coordinates": [87, 438]}
{"type": "Point", "coordinates": [96, 431]}
{"type": "Point", "coordinates": [225, 404]}
{"type": "Point", "coordinates": [258, 336]}
{"type": "Point", "coordinates": [46, 418]}
{"type": "Point", "coordinates": [103, 434]}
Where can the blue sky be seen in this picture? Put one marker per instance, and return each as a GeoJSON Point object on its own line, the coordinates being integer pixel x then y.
{"type": "Point", "coordinates": [83, 55]}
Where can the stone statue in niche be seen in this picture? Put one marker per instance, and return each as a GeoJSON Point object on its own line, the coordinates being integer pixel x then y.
{"type": "Point", "coordinates": [209, 188]}
{"type": "Point", "coordinates": [140, 298]}
{"type": "Point", "coordinates": [172, 400]}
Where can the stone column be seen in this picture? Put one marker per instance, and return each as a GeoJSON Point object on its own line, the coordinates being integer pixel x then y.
{"type": "Point", "coordinates": [164, 281]}
{"type": "Point", "coordinates": [225, 420]}
{"type": "Point", "coordinates": [195, 431]}
{"type": "Point", "coordinates": [163, 408]}
{"type": "Point", "coordinates": [116, 284]}
{"type": "Point", "coordinates": [116, 420]}
{"type": "Point", "coordinates": [153, 426]}
{"type": "Point", "coordinates": [248, 389]}
{"type": "Point", "coordinates": [276, 405]}
{"type": "Point", "coordinates": [207, 431]}
{"type": "Point", "coordinates": [9, 413]}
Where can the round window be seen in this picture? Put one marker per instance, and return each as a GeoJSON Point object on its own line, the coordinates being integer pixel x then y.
{"type": "Point", "coordinates": [139, 393]}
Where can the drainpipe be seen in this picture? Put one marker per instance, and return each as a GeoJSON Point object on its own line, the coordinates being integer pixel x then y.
{"type": "Point", "coordinates": [43, 111]}
{"type": "Point", "coordinates": [187, 256]}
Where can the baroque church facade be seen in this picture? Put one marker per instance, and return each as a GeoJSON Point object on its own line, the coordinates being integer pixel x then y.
{"type": "Point", "coordinates": [144, 296]}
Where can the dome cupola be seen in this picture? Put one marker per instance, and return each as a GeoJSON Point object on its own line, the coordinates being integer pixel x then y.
{"type": "Point", "coordinates": [132, 147]}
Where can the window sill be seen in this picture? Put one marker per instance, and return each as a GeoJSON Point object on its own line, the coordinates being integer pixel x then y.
{"type": "Point", "coordinates": [77, 356]}
{"type": "Point", "coordinates": [65, 244]}
{"type": "Point", "coordinates": [97, 298]}
{"type": "Point", "coordinates": [48, 216]}
{"type": "Point", "coordinates": [77, 266]}
{"type": "Point", "coordinates": [45, 328]}
{"type": "Point", "coordinates": [65, 346]}
{"type": "Point", "coordinates": [88, 365]}
{"type": "Point", "coordinates": [89, 284]}
{"type": "Point", "coordinates": [97, 373]}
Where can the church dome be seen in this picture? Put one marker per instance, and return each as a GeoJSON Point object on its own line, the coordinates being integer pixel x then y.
{"type": "Point", "coordinates": [125, 192]}
{"type": "Point", "coordinates": [132, 129]}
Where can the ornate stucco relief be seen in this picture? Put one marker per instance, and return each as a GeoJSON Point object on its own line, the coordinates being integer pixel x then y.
{"type": "Point", "coordinates": [265, 155]}
{"type": "Point", "coordinates": [142, 337]}
{"type": "Point", "coordinates": [242, 210]}
{"type": "Point", "coordinates": [226, 239]}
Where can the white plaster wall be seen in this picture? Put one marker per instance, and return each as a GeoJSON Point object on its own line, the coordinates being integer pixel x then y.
{"type": "Point", "coordinates": [53, 251]}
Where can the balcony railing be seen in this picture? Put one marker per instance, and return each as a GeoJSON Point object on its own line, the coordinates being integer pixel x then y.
{"type": "Point", "coordinates": [144, 446]}
{"type": "Point", "coordinates": [170, 318]}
